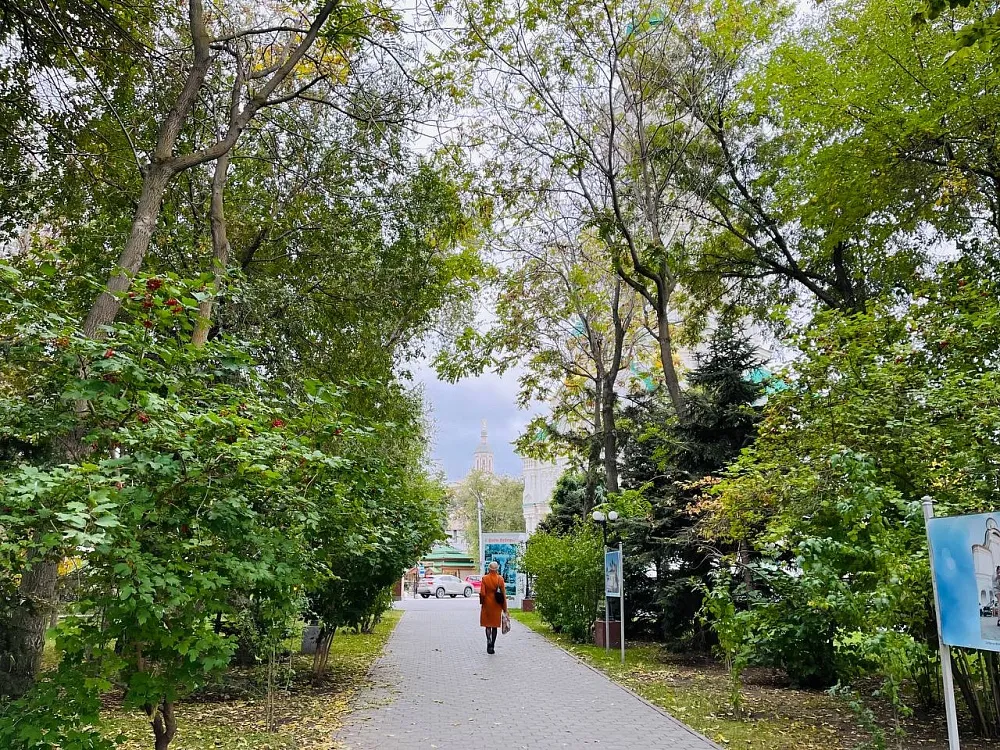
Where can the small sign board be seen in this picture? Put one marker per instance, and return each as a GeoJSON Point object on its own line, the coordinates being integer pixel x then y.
{"type": "Point", "coordinates": [612, 573]}
{"type": "Point", "coordinates": [965, 561]}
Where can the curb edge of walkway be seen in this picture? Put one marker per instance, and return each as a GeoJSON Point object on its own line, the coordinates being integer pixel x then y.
{"type": "Point", "coordinates": [659, 709]}
{"type": "Point", "coordinates": [357, 702]}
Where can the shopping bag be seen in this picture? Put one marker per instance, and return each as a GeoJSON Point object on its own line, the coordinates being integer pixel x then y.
{"type": "Point", "coordinates": [505, 623]}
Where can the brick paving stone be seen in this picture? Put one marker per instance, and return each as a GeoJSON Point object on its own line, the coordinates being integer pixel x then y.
{"type": "Point", "coordinates": [436, 688]}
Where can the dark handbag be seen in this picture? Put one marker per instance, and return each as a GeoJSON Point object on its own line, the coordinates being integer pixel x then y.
{"type": "Point", "coordinates": [498, 593]}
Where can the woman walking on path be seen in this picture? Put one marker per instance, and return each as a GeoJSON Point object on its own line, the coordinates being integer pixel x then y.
{"type": "Point", "coordinates": [492, 610]}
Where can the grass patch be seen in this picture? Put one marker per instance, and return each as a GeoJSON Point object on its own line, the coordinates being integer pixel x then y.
{"type": "Point", "coordinates": [778, 717]}
{"type": "Point", "coordinates": [232, 715]}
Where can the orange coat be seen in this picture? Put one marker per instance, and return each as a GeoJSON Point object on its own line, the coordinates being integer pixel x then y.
{"type": "Point", "coordinates": [489, 615]}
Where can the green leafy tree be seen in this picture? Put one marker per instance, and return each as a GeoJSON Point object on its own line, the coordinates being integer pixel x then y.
{"type": "Point", "coordinates": [203, 486]}
{"type": "Point", "coordinates": [837, 203]}
{"type": "Point", "coordinates": [392, 515]}
{"type": "Point", "coordinates": [590, 97]}
{"type": "Point", "coordinates": [502, 503]}
{"type": "Point", "coordinates": [982, 31]}
{"type": "Point", "coordinates": [576, 330]}
{"type": "Point", "coordinates": [884, 408]}
{"type": "Point", "coordinates": [163, 140]}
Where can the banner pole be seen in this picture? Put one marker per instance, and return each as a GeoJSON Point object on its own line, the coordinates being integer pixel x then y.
{"type": "Point", "coordinates": [950, 710]}
{"type": "Point", "coordinates": [621, 595]}
{"type": "Point", "coordinates": [607, 610]}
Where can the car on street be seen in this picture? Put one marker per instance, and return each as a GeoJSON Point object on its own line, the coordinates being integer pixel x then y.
{"type": "Point", "coordinates": [442, 586]}
{"type": "Point", "coordinates": [475, 581]}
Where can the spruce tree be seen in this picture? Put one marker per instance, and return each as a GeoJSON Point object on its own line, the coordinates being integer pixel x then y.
{"type": "Point", "coordinates": [671, 458]}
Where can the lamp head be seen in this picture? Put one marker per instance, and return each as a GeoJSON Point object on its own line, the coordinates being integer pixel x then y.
{"type": "Point", "coordinates": [598, 516]}
{"type": "Point", "coordinates": [613, 515]}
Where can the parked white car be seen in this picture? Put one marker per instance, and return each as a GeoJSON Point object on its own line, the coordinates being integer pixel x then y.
{"type": "Point", "coordinates": [442, 586]}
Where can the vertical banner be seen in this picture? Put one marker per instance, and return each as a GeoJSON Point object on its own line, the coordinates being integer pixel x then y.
{"type": "Point", "coordinates": [612, 573]}
{"type": "Point", "coordinates": [506, 551]}
{"type": "Point", "coordinates": [965, 557]}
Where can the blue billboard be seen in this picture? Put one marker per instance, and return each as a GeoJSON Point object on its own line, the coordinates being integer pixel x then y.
{"type": "Point", "coordinates": [965, 557]}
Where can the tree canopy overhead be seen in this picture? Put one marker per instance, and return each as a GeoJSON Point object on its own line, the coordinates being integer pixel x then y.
{"type": "Point", "coordinates": [228, 231]}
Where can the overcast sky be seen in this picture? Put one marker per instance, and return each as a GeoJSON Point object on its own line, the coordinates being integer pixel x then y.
{"type": "Point", "coordinates": [456, 412]}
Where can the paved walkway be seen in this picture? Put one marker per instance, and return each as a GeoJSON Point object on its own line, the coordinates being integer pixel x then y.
{"type": "Point", "coordinates": [436, 687]}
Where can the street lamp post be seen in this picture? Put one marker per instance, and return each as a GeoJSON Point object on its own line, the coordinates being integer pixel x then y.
{"type": "Point", "coordinates": [602, 520]}
{"type": "Point", "coordinates": [482, 552]}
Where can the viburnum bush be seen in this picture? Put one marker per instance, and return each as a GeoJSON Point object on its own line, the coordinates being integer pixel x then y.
{"type": "Point", "coordinates": [179, 474]}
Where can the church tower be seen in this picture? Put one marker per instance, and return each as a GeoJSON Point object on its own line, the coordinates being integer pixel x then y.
{"type": "Point", "coordinates": [483, 458]}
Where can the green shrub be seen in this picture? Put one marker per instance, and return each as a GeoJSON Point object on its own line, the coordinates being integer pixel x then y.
{"type": "Point", "coordinates": [59, 713]}
{"type": "Point", "coordinates": [568, 578]}
{"type": "Point", "coordinates": [376, 609]}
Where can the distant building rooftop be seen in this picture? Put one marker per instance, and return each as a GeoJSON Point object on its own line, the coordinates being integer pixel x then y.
{"type": "Point", "coordinates": [446, 554]}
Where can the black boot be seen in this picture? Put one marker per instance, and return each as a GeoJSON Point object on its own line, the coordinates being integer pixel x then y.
{"type": "Point", "coordinates": [489, 642]}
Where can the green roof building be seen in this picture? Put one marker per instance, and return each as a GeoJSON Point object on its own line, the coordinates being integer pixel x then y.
{"type": "Point", "coordinates": [447, 560]}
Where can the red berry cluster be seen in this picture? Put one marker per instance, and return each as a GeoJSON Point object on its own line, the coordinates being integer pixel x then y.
{"type": "Point", "coordinates": [149, 301]}
{"type": "Point", "coordinates": [142, 417]}
{"type": "Point", "coordinates": [277, 423]}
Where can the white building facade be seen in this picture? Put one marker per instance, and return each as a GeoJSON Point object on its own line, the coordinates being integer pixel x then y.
{"type": "Point", "coordinates": [986, 557]}
{"type": "Point", "coordinates": [540, 479]}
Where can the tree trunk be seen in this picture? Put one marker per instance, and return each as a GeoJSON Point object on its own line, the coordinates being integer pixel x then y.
{"type": "Point", "coordinates": [322, 655]}
{"type": "Point", "coordinates": [23, 642]}
{"type": "Point", "coordinates": [670, 377]}
{"type": "Point", "coordinates": [966, 685]}
{"type": "Point", "coordinates": [164, 725]}
{"type": "Point", "coordinates": [743, 554]}
{"type": "Point", "coordinates": [594, 457]}
{"type": "Point", "coordinates": [610, 436]}
{"type": "Point", "coordinates": [147, 212]}
{"type": "Point", "coordinates": [220, 250]}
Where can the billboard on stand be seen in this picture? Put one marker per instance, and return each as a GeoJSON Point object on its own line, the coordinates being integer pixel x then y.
{"type": "Point", "coordinates": [506, 550]}
{"type": "Point", "coordinates": [965, 560]}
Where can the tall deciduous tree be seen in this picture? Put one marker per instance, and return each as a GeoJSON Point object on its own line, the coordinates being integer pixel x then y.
{"type": "Point", "coordinates": [266, 63]}
{"type": "Point", "coordinates": [576, 330]}
{"type": "Point", "coordinates": [833, 154]}
{"type": "Point", "coordinates": [584, 105]}
{"type": "Point", "coordinates": [883, 408]}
